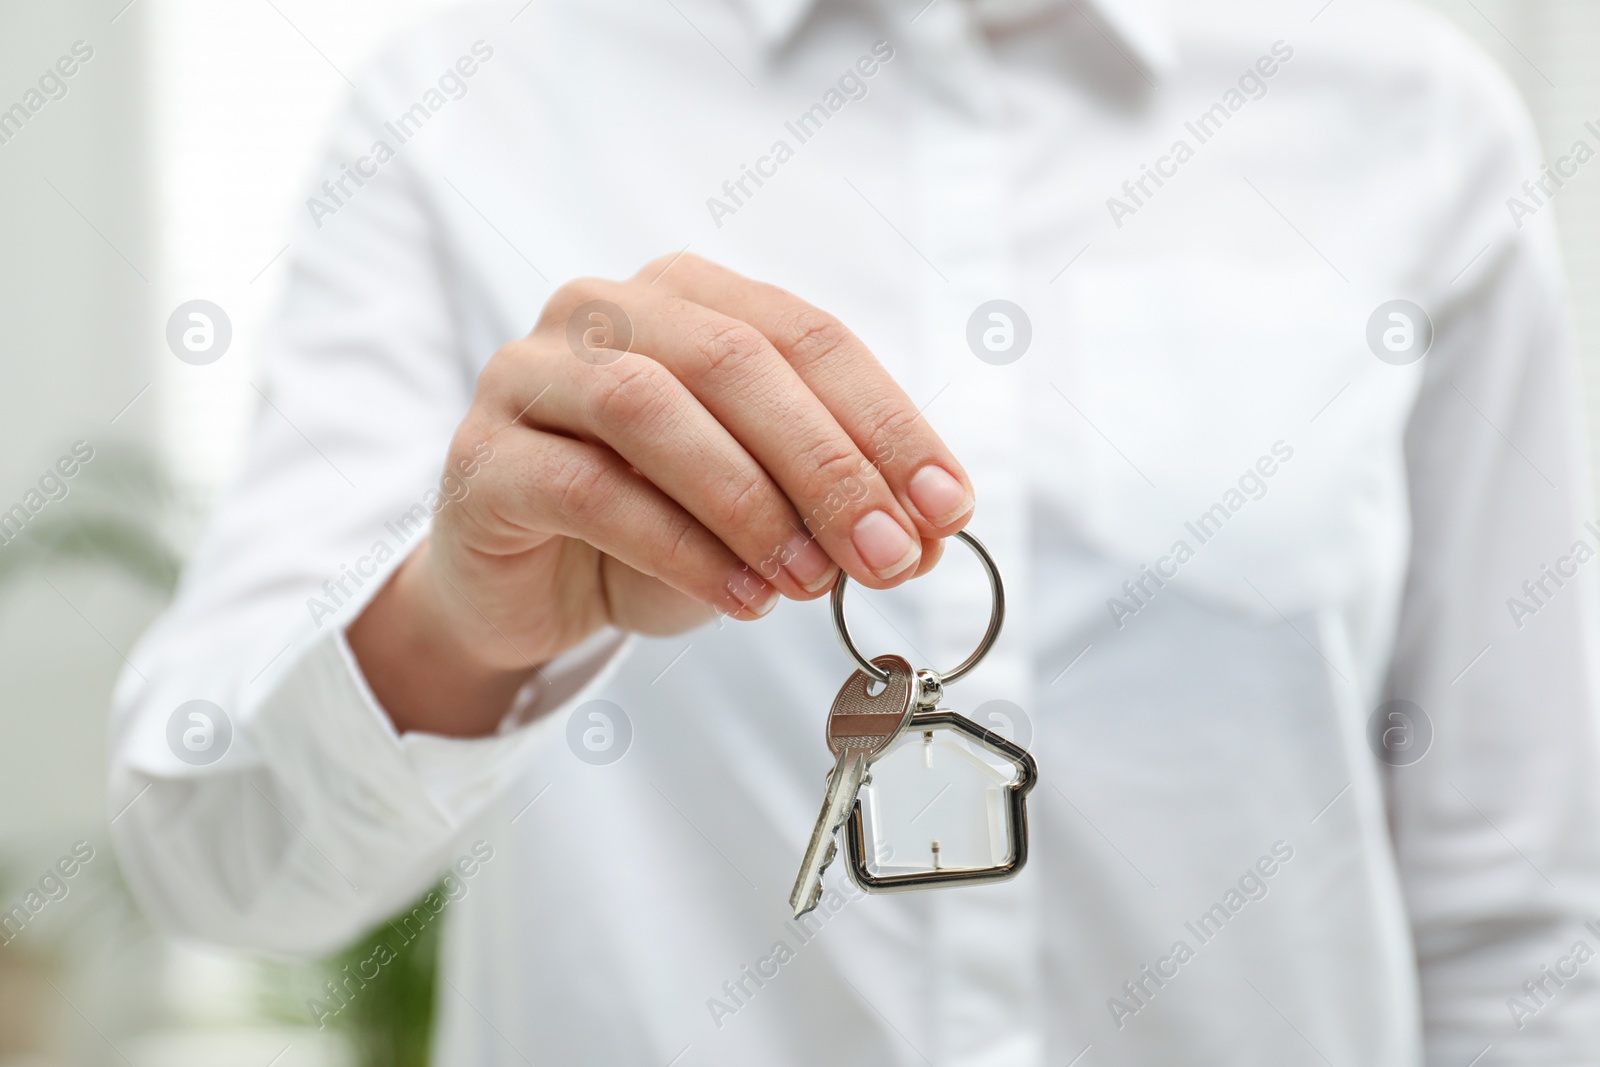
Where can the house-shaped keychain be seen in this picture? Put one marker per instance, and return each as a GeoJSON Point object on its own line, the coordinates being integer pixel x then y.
{"type": "Point", "coordinates": [944, 806]}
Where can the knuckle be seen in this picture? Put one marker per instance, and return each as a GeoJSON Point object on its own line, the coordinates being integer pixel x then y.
{"type": "Point", "coordinates": [577, 290]}
{"type": "Point", "coordinates": [507, 370]}
{"type": "Point", "coordinates": [685, 261]}
{"type": "Point", "coordinates": [831, 467]}
{"type": "Point", "coordinates": [812, 333]}
{"type": "Point", "coordinates": [490, 390]}
{"type": "Point", "coordinates": [579, 488]}
{"type": "Point", "coordinates": [569, 296]}
{"type": "Point", "coordinates": [464, 443]}
{"type": "Point", "coordinates": [469, 450]}
{"type": "Point", "coordinates": [747, 499]}
{"type": "Point", "coordinates": [637, 391]}
{"type": "Point", "coordinates": [680, 546]}
{"type": "Point", "coordinates": [727, 344]}
{"type": "Point", "coordinates": [890, 423]}
{"type": "Point", "coordinates": [497, 370]}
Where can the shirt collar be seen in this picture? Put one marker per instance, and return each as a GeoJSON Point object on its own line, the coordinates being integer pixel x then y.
{"type": "Point", "coordinates": [1140, 29]}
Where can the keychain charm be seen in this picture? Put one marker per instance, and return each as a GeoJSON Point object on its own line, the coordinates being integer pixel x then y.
{"type": "Point", "coordinates": [884, 850]}
{"type": "Point", "coordinates": [899, 757]}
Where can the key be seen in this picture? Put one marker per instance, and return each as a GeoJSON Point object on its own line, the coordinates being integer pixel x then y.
{"type": "Point", "coordinates": [844, 782]}
{"type": "Point", "coordinates": [860, 725]}
{"type": "Point", "coordinates": [879, 792]}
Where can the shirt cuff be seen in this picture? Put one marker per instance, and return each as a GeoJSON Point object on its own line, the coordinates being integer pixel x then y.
{"type": "Point", "coordinates": [461, 775]}
{"type": "Point", "coordinates": [323, 726]}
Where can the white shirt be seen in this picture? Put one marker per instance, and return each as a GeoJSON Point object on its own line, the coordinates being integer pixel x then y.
{"type": "Point", "coordinates": [1188, 732]}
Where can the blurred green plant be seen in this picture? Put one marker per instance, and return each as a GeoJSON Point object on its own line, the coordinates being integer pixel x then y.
{"type": "Point", "coordinates": [378, 993]}
{"type": "Point", "coordinates": [116, 512]}
{"type": "Point", "coordinates": [391, 1023]}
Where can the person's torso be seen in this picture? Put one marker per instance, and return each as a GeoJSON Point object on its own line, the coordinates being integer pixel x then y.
{"type": "Point", "coordinates": [1196, 248]}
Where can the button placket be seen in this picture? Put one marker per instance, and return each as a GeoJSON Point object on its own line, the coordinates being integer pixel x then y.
{"type": "Point", "coordinates": [985, 969]}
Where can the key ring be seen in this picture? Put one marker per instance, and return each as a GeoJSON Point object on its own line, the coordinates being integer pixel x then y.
{"type": "Point", "coordinates": [997, 616]}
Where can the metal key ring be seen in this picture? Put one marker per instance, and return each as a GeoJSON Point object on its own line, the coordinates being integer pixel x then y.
{"type": "Point", "coordinates": [997, 616]}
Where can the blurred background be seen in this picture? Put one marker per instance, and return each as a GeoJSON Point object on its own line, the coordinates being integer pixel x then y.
{"type": "Point", "coordinates": [163, 170]}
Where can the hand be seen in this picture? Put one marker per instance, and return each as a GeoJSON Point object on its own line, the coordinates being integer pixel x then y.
{"type": "Point", "coordinates": [747, 446]}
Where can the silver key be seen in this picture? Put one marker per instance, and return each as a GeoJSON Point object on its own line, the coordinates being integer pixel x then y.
{"type": "Point", "coordinates": [860, 725]}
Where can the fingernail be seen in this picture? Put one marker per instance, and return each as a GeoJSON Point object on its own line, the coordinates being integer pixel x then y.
{"type": "Point", "coordinates": [748, 589]}
{"type": "Point", "coordinates": [807, 564]}
{"type": "Point", "coordinates": [884, 544]}
{"type": "Point", "coordinates": [938, 495]}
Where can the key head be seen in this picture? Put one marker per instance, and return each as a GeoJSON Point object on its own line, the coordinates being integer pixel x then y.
{"type": "Point", "coordinates": [862, 721]}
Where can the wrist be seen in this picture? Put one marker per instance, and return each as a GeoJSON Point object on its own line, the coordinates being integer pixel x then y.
{"type": "Point", "coordinates": [427, 667]}
{"type": "Point", "coordinates": [455, 624]}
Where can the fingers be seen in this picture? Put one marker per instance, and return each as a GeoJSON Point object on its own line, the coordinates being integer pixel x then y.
{"type": "Point", "coordinates": [755, 403]}
{"type": "Point", "coordinates": [638, 408]}
{"type": "Point", "coordinates": [748, 428]}
{"type": "Point", "coordinates": [921, 472]}
{"type": "Point", "coordinates": [639, 603]}
{"type": "Point", "coordinates": [555, 485]}
{"type": "Point", "coordinates": [932, 553]}
{"type": "Point", "coordinates": [713, 384]}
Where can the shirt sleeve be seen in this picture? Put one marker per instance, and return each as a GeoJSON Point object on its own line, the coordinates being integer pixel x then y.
{"type": "Point", "coordinates": [298, 817]}
{"type": "Point", "coordinates": [1497, 826]}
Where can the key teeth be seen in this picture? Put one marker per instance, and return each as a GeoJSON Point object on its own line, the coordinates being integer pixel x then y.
{"type": "Point", "coordinates": [816, 898]}
{"type": "Point", "coordinates": [816, 893]}
{"type": "Point", "coordinates": [827, 858]}
{"type": "Point", "coordinates": [809, 905]}
{"type": "Point", "coordinates": [823, 844]}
